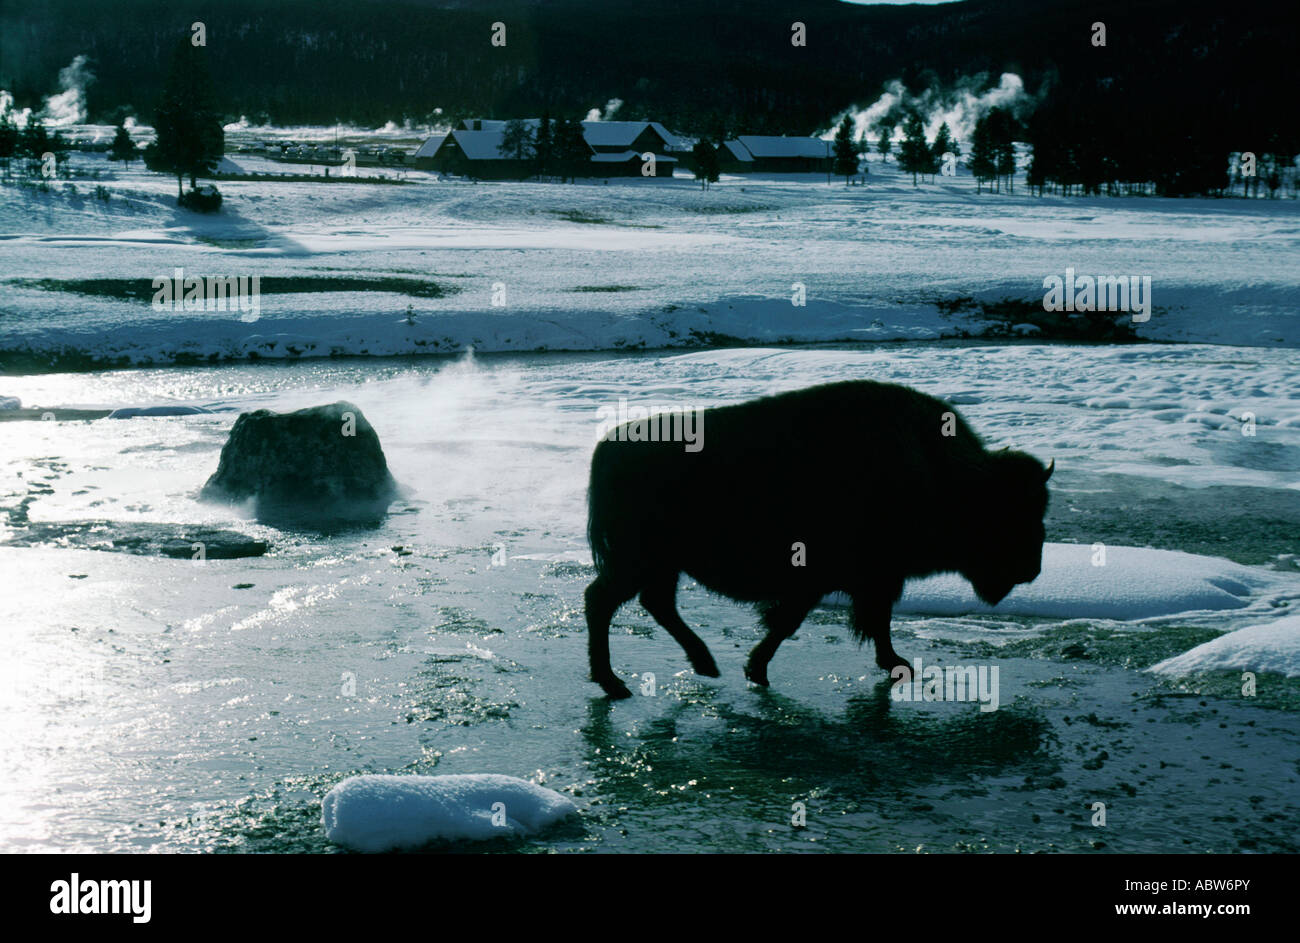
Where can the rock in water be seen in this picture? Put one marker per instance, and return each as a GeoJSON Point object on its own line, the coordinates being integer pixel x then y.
{"type": "Point", "coordinates": [319, 463]}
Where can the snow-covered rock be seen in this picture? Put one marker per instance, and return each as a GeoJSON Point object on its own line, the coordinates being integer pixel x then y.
{"type": "Point", "coordinates": [1133, 583]}
{"type": "Point", "coordinates": [1271, 646]}
{"type": "Point", "coordinates": [384, 813]}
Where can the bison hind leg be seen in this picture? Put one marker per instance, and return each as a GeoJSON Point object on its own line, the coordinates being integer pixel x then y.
{"type": "Point", "coordinates": [659, 597]}
{"type": "Point", "coordinates": [603, 597]}
{"type": "Point", "coordinates": [870, 620]}
{"type": "Point", "coordinates": [782, 619]}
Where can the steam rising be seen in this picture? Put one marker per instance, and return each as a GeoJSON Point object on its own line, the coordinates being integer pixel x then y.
{"type": "Point", "coordinates": [960, 106]}
{"type": "Point", "coordinates": [69, 105]}
{"type": "Point", "coordinates": [465, 442]}
{"type": "Point", "coordinates": [63, 109]}
{"type": "Point", "coordinates": [611, 106]}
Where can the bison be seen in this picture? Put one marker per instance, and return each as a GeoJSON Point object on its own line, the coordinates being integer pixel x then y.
{"type": "Point", "coordinates": [854, 487]}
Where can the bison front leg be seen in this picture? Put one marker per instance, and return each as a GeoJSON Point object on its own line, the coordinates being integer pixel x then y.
{"type": "Point", "coordinates": [782, 620]}
{"type": "Point", "coordinates": [871, 618]}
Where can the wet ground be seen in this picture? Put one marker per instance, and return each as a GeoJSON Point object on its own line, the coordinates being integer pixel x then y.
{"type": "Point", "coordinates": [154, 702]}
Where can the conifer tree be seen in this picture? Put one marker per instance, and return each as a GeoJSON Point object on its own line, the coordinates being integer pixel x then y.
{"type": "Point", "coordinates": [943, 144]}
{"type": "Point", "coordinates": [707, 166]}
{"type": "Point", "coordinates": [886, 142]}
{"type": "Point", "coordinates": [123, 148]}
{"type": "Point", "coordinates": [983, 155]}
{"type": "Point", "coordinates": [8, 140]}
{"type": "Point", "coordinates": [913, 153]}
{"type": "Point", "coordinates": [846, 151]}
{"type": "Point", "coordinates": [571, 151]}
{"type": "Point", "coordinates": [190, 138]}
{"type": "Point", "coordinates": [544, 146]}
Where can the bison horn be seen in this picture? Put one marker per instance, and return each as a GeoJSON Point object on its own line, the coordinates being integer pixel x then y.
{"type": "Point", "coordinates": [1050, 466]}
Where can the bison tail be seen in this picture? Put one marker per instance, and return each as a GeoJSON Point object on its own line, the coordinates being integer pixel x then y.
{"type": "Point", "coordinates": [601, 514]}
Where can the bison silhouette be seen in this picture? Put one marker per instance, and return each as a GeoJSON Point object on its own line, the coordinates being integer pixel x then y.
{"type": "Point", "coordinates": [853, 487]}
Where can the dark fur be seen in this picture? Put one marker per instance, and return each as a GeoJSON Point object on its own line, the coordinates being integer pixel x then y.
{"type": "Point", "coordinates": [858, 472]}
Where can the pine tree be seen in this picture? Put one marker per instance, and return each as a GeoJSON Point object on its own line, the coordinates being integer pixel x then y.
{"type": "Point", "coordinates": [943, 144]}
{"type": "Point", "coordinates": [846, 151]}
{"type": "Point", "coordinates": [886, 131]}
{"type": "Point", "coordinates": [123, 148]}
{"type": "Point", "coordinates": [33, 140]}
{"type": "Point", "coordinates": [8, 140]}
{"type": "Point", "coordinates": [1002, 131]}
{"type": "Point", "coordinates": [707, 165]}
{"type": "Point", "coordinates": [572, 153]}
{"type": "Point", "coordinates": [544, 146]}
{"type": "Point", "coordinates": [983, 155]}
{"type": "Point", "coordinates": [516, 140]}
{"type": "Point", "coordinates": [190, 139]}
{"type": "Point", "coordinates": [914, 154]}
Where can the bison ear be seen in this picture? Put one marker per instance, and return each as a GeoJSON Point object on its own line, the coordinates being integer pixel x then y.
{"type": "Point", "coordinates": [1050, 468]}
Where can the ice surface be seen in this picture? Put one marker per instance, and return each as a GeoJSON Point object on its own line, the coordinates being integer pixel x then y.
{"type": "Point", "coordinates": [154, 651]}
{"type": "Point", "coordinates": [376, 813]}
{"type": "Point", "coordinates": [1271, 646]}
{"type": "Point", "coordinates": [1134, 583]}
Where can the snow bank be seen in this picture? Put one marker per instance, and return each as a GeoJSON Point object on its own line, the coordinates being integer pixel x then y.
{"type": "Point", "coordinates": [131, 412]}
{"type": "Point", "coordinates": [1134, 583]}
{"type": "Point", "coordinates": [1272, 646]}
{"type": "Point", "coordinates": [385, 813]}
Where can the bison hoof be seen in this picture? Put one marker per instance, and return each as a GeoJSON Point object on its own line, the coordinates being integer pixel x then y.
{"type": "Point", "coordinates": [898, 669]}
{"type": "Point", "coordinates": [756, 676]}
{"type": "Point", "coordinates": [613, 687]}
{"type": "Point", "coordinates": [707, 668]}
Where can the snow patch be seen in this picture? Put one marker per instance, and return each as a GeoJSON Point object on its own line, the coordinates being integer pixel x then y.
{"type": "Point", "coordinates": [1271, 646]}
{"type": "Point", "coordinates": [377, 813]}
{"type": "Point", "coordinates": [1134, 583]}
{"type": "Point", "coordinates": [131, 412]}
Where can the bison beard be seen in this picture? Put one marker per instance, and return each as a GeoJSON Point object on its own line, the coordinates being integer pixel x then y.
{"type": "Point", "coordinates": [877, 484]}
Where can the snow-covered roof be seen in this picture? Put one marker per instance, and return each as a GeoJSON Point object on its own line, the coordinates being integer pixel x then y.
{"type": "Point", "coordinates": [481, 145]}
{"type": "Point", "coordinates": [612, 133]}
{"type": "Point", "coordinates": [596, 133]}
{"type": "Point", "coordinates": [737, 150]}
{"type": "Point", "coordinates": [770, 146]}
{"type": "Point", "coordinates": [430, 147]}
{"type": "Point", "coordinates": [615, 133]}
{"type": "Point", "coordinates": [606, 157]}
{"type": "Point", "coordinates": [614, 158]}
{"type": "Point", "coordinates": [496, 124]}
{"type": "Point", "coordinates": [669, 138]}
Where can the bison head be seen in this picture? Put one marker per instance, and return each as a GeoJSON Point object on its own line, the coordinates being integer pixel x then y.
{"type": "Point", "coordinates": [1008, 542]}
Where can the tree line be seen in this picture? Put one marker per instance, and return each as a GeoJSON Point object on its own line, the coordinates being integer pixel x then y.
{"type": "Point", "coordinates": [716, 69]}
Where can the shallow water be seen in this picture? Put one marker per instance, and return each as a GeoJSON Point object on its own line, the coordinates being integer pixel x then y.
{"type": "Point", "coordinates": [155, 703]}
